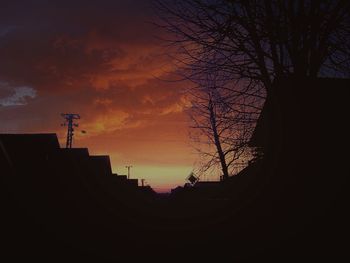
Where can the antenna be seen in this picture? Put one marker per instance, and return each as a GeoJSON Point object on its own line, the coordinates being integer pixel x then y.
{"type": "Point", "coordinates": [69, 122]}
{"type": "Point", "coordinates": [128, 166]}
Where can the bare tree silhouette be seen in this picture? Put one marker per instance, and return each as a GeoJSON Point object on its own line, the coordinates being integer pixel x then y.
{"type": "Point", "coordinates": [260, 40]}
{"type": "Point", "coordinates": [221, 125]}
{"type": "Point", "coordinates": [251, 43]}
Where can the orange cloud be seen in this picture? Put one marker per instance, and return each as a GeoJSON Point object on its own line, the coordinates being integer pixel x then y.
{"type": "Point", "coordinates": [107, 66]}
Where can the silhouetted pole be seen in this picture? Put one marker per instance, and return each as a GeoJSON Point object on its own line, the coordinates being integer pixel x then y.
{"type": "Point", "coordinates": [142, 182]}
{"type": "Point", "coordinates": [128, 166]}
{"type": "Point", "coordinates": [70, 117]}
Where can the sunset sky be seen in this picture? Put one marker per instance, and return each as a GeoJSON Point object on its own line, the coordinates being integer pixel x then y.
{"type": "Point", "coordinates": [103, 60]}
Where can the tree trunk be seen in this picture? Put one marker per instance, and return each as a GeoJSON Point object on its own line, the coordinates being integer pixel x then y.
{"type": "Point", "coordinates": [216, 136]}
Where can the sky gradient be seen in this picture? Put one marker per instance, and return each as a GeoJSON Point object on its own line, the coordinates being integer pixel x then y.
{"type": "Point", "coordinates": [103, 60]}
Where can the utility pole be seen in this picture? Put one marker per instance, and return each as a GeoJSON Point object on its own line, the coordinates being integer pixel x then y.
{"type": "Point", "coordinates": [128, 166]}
{"type": "Point", "coordinates": [142, 182]}
{"type": "Point", "coordinates": [69, 122]}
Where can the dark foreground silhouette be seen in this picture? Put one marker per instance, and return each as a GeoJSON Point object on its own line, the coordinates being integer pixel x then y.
{"type": "Point", "coordinates": [287, 205]}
